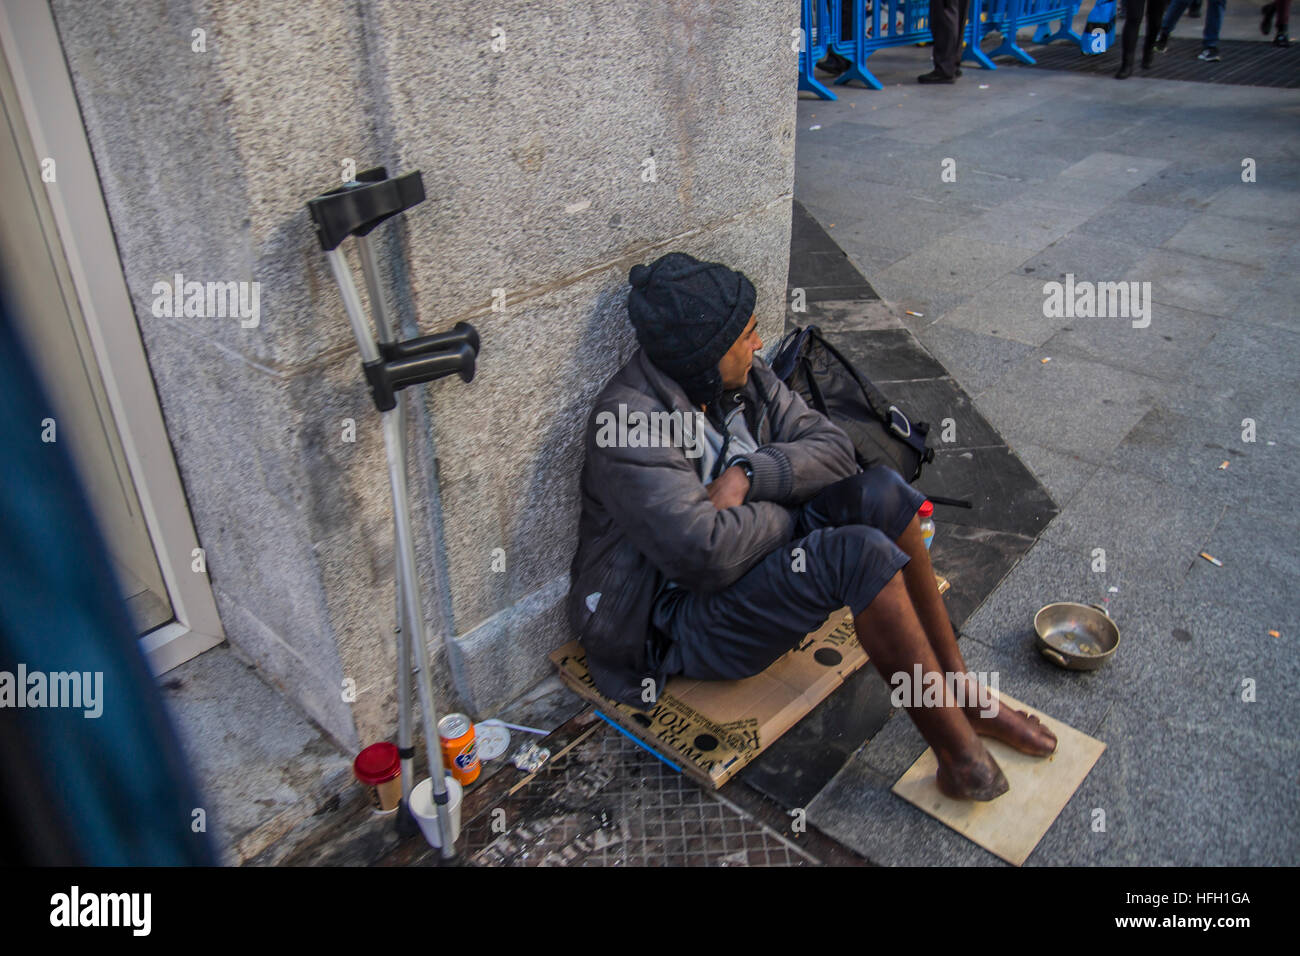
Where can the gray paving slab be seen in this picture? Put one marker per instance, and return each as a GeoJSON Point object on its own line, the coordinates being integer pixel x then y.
{"type": "Point", "coordinates": [1010, 307]}
{"type": "Point", "coordinates": [1193, 652]}
{"type": "Point", "coordinates": [954, 265]}
{"type": "Point", "coordinates": [1188, 452]}
{"type": "Point", "coordinates": [985, 151]}
{"type": "Point", "coordinates": [848, 316]}
{"type": "Point", "coordinates": [1257, 202]}
{"type": "Point", "coordinates": [1061, 473]}
{"type": "Point", "coordinates": [881, 234]}
{"type": "Point", "coordinates": [1275, 412]}
{"type": "Point", "coordinates": [1186, 185]}
{"type": "Point", "coordinates": [1247, 355]}
{"type": "Point", "coordinates": [1024, 223]}
{"type": "Point", "coordinates": [1071, 404]}
{"type": "Point", "coordinates": [1163, 349]}
{"type": "Point", "coordinates": [1125, 167]}
{"type": "Point", "coordinates": [1196, 283]}
{"type": "Point", "coordinates": [973, 358]}
{"type": "Point", "coordinates": [1092, 195]}
{"type": "Point", "coordinates": [1245, 241]}
{"type": "Point", "coordinates": [1175, 791]}
{"type": "Point", "coordinates": [1086, 257]}
{"type": "Point", "coordinates": [1150, 530]}
{"type": "Point", "coordinates": [1140, 224]}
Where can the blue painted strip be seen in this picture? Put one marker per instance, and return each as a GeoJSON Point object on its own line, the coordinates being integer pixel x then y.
{"type": "Point", "coordinates": [637, 742]}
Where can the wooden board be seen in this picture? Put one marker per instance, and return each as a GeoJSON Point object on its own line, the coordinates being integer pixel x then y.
{"type": "Point", "coordinates": [1013, 824]}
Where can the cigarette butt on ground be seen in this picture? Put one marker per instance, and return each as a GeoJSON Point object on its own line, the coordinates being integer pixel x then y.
{"type": "Point", "coordinates": [1044, 361]}
{"type": "Point", "coordinates": [1223, 466]}
{"type": "Point", "coordinates": [1274, 634]}
{"type": "Point", "coordinates": [919, 315]}
{"type": "Point", "coordinates": [1212, 559]}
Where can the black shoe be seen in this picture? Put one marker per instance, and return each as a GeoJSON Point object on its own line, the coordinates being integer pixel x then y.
{"type": "Point", "coordinates": [1210, 55]}
{"type": "Point", "coordinates": [1125, 71]}
{"type": "Point", "coordinates": [1266, 24]}
{"type": "Point", "coordinates": [834, 63]}
{"type": "Point", "coordinates": [1281, 40]}
{"type": "Point", "coordinates": [934, 76]}
{"type": "Point", "coordinates": [1162, 42]}
{"type": "Point", "coordinates": [1147, 57]}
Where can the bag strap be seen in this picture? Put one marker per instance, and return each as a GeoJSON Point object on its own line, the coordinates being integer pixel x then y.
{"type": "Point", "coordinates": [890, 415]}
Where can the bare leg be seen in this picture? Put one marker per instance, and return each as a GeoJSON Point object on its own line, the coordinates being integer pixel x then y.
{"type": "Point", "coordinates": [895, 641]}
{"type": "Point", "coordinates": [1023, 731]}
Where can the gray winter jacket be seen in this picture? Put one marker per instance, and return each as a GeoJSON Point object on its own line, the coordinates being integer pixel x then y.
{"type": "Point", "coordinates": [647, 519]}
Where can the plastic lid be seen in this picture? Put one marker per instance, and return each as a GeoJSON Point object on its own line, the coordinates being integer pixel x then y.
{"type": "Point", "coordinates": [927, 509]}
{"type": "Point", "coordinates": [377, 763]}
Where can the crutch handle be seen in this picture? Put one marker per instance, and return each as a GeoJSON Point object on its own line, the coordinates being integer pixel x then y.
{"type": "Point", "coordinates": [388, 377]}
{"type": "Point", "coordinates": [356, 208]}
{"type": "Point", "coordinates": [462, 334]}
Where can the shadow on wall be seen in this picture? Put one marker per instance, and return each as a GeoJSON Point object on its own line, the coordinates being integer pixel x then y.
{"type": "Point", "coordinates": [573, 390]}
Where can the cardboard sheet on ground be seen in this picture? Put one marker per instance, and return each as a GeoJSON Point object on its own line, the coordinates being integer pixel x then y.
{"type": "Point", "coordinates": [712, 729]}
{"type": "Point", "coordinates": [1010, 826]}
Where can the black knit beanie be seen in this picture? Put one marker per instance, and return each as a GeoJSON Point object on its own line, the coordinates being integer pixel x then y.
{"type": "Point", "coordinates": [687, 315]}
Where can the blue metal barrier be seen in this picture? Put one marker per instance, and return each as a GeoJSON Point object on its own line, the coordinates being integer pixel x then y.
{"type": "Point", "coordinates": [887, 23]}
{"type": "Point", "coordinates": [1006, 17]}
{"type": "Point", "coordinates": [814, 24]}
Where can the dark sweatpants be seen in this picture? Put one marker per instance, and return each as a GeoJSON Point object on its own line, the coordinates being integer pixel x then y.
{"type": "Point", "coordinates": [846, 533]}
{"type": "Point", "coordinates": [948, 25]}
{"type": "Point", "coordinates": [1133, 10]}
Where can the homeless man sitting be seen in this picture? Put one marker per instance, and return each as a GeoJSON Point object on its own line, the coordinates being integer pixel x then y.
{"type": "Point", "coordinates": [687, 560]}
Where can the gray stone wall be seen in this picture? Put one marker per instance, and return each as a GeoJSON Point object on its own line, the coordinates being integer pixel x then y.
{"type": "Point", "coordinates": [535, 159]}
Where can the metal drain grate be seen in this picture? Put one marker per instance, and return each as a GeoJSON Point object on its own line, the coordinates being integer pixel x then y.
{"type": "Point", "coordinates": [607, 802]}
{"type": "Point", "coordinates": [1244, 63]}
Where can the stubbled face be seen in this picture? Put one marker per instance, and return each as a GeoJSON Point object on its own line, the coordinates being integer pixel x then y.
{"type": "Point", "coordinates": [735, 365]}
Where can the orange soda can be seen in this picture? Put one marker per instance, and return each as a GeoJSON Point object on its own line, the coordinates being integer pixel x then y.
{"type": "Point", "coordinates": [459, 752]}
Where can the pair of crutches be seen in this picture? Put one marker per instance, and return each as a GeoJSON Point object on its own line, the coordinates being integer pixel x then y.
{"type": "Point", "coordinates": [390, 366]}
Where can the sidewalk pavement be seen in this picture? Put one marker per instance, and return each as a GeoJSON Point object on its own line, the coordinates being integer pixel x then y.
{"type": "Point", "coordinates": [1060, 174]}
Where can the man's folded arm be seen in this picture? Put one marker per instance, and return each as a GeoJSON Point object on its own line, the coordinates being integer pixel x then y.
{"type": "Point", "coordinates": [656, 498]}
{"type": "Point", "coordinates": [807, 453]}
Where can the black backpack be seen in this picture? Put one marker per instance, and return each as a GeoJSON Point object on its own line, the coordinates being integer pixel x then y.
{"type": "Point", "coordinates": [828, 382]}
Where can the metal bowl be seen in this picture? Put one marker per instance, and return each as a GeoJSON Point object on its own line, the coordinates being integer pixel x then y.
{"type": "Point", "coordinates": [1078, 637]}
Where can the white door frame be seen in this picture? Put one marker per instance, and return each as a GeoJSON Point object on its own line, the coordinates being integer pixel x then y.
{"type": "Point", "coordinates": [49, 107]}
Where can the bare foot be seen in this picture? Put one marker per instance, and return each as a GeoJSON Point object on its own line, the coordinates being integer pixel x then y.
{"type": "Point", "coordinates": [976, 778]}
{"type": "Point", "coordinates": [1015, 728]}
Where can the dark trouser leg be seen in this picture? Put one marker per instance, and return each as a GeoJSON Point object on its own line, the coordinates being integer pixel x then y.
{"type": "Point", "coordinates": [880, 498]}
{"type": "Point", "coordinates": [1133, 10]}
{"type": "Point", "coordinates": [947, 35]}
{"type": "Point", "coordinates": [963, 7]}
{"type": "Point", "coordinates": [1155, 13]}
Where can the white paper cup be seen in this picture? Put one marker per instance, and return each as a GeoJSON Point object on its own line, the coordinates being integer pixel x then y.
{"type": "Point", "coordinates": [426, 814]}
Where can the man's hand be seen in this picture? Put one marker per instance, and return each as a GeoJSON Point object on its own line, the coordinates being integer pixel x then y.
{"type": "Point", "coordinates": [728, 490]}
